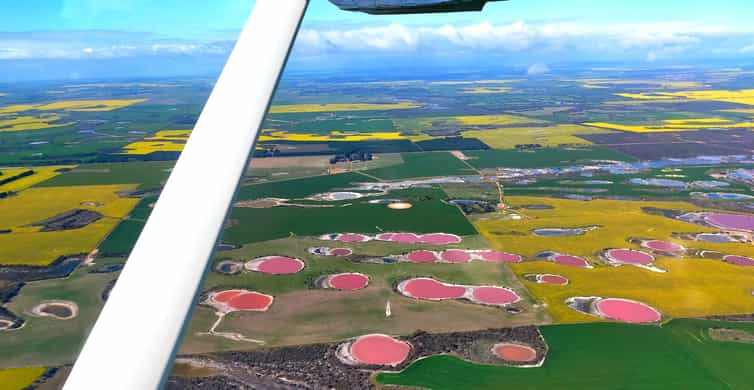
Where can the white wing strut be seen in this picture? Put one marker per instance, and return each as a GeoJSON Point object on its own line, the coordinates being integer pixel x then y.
{"type": "Point", "coordinates": [138, 332]}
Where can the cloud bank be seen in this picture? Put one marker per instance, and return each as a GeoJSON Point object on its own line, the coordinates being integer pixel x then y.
{"type": "Point", "coordinates": [662, 39]}
{"type": "Point", "coordinates": [560, 41]}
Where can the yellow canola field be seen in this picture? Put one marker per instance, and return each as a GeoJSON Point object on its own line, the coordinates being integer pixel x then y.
{"type": "Point", "coordinates": [508, 138]}
{"type": "Point", "coordinates": [10, 121]}
{"type": "Point", "coordinates": [618, 221]}
{"type": "Point", "coordinates": [162, 141]}
{"type": "Point", "coordinates": [487, 90]}
{"type": "Point", "coordinates": [748, 111]}
{"type": "Point", "coordinates": [72, 105]}
{"type": "Point", "coordinates": [292, 108]}
{"type": "Point", "coordinates": [673, 125]}
{"type": "Point", "coordinates": [691, 287]}
{"type": "Point", "coordinates": [40, 174]}
{"type": "Point", "coordinates": [141, 148]}
{"type": "Point", "coordinates": [174, 140]}
{"type": "Point", "coordinates": [28, 246]}
{"type": "Point", "coordinates": [647, 96]}
{"type": "Point", "coordinates": [743, 96]}
{"type": "Point", "coordinates": [697, 121]}
{"type": "Point", "coordinates": [492, 120]}
{"type": "Point", "coordinates": [19, 378]}
{"type": "Point", "coordinates": [280, 135]}
{"type": "Point", "coordinates": [22, 123]}
{"type": "Point", "coordinates": [171, 135]}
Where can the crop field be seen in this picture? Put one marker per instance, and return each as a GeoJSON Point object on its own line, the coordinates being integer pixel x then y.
{"type": "Point", "coordinates": [20, 378]}
{"type": "Point", "coordinates": [147, 147]}
{"type": "Point", "coordinates": [353, 122]}
{"type": "Point", "coordinates": [40, 174]}
{"type": "Point", "coordinates": [675, 125]}
{"type": "Point", "coordinates": [599, 356]}
{"type": "Point", "coordinates": [541, 158]}
{"type": "Point", "coordinates": [487, 90]}
{"type": "Point", "coordinates": [170, 135]}
{"type": "Point", "coordinates": [574, 161]}
{"type": "Point", "coordinates": [611, 232]}
{"type": "Point", "coordinates": [689, 288]}
{"type": "Point", "coordinates": [22, 123]}
{"type": "Point", "coordinates": [354, 313]}
{"type": "Point", "coordinates": [301, 188]}
{"type": "Point", "coordinates": [717, 287]}
{"type": "Point", "coordinates": [145, 174]}
{"type": "Point", "coordinates": [683, 144]}
{"type": "Point", "coordinates": [161, 141]}
{"type": "Point", "coordinates": [47, 341]}
{"type": "Point", "coordinates": [492, 120]}
{"type": "Point", "coordinates": [72, 105]}
{"type": "Point", "coordinates": [49, 113]}
{"type": "Point", "coordinates": [29, 246]}
{"type": "Point", "coordinates": [743, 96]}
{"type": "Point", "coordinates": [551, 136]}
{"type": "Point", "coordinates": [283, 109]}
{"type": "Point", "coordinates": [423, 165]}
{"type": "Point", "coordinates": [429, 214]}
{"type": "Point", "coordinates": [656, 84]}
{"type": "Point", "coordinates": [456, 124]}
{"type": "Point", "coordinates": [335, 136]}
{"type": "Point", "coordinates": [120, 241]}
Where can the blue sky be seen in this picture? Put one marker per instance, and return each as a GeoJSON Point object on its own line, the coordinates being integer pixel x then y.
{"type": "Point", "coordinates": [178, 33]}
{"type": "Point", "coordinates": [186, 18]}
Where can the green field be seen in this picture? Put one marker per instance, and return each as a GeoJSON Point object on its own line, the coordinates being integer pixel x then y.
{"type": "Point", "coordinates": [329, 315]}
{"type": "Point", "coordinates": [148, 174]}
{"type": "Point", "coordinates": [47, 341]}
{"type": "Point", "coordinates": [429, 214]}
{"type": "Point", "coordinates": [622, 187]}
{"type": "Point", "coordinates": [361, 125]}
{"type": "Point", "coordinates": [300, 188]}
{"type": "Point", "coordinates": [63, 145]}
{"type": "Point", "coordinates": [424, 164]}
{"type": "Point", "coordinates": [122, 239]}
{"type": "Point", "coordinates": [541, 158]}
{"type": "Point", "coordinates": [677, 355]}
{"type": "Point", "coordinates": [318, 265]}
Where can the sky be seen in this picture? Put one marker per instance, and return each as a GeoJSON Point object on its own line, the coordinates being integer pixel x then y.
{"type": "Point", "coordinates": [86, 38]}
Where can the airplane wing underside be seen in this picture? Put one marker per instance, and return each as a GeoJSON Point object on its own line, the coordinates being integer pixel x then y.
{"type": "Point", "coordinates": [387, 7]}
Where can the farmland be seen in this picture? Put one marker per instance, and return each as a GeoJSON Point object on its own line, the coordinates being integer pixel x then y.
{"type": "Point", "coordinates": [350, 178]}
{"type": "Point", "coordinates": [596, 356]}
{"type": "Point", "coordinates": [29, 245]}
{"type": "Point", "coordinates": [22, 178]}
{"type": "Point", "coordinates": [20, 378]}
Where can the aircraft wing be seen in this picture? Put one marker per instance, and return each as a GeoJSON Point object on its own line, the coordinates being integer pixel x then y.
{"type": "Point", "coordinates": [383, 7]}
{"type": "Point", "coordinates": [140, 329]}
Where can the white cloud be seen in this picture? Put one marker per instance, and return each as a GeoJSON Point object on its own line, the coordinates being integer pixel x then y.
{"type": "Point", "coordinates": [100, 44]}
{"type": "Point", "coordinates": [537, 69]}
{"type": "Point", "coordinates": [746, 49]}
{"type": "Point", "coordinates": [660, 38]}
{"type": "Point", "coordinates": [559, 41]}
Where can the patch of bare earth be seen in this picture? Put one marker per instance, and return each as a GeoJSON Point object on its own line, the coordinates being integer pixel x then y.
{"type": "Point", "coordinates": [316, 316]}
{"type": "Point", "coordinates": [731, 335]}
{"type": "Point", "coordinates": [286, 162]}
